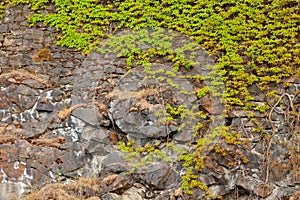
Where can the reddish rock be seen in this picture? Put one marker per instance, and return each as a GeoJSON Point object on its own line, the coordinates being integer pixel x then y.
{"type": "Point", "coordinates": [120, 184]}
{"type": "Point", "coordinates": [15, 170]}
{"type": "Point", "coordinates": [113, 138]}
{"type": "Point", "coordinates": [212, 105]}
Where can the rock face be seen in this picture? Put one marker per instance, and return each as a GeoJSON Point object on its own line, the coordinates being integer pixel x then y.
{"type": "Point", "coordinates": [62, 114]}
{"type": "Point", "coordinates": [134, 107]}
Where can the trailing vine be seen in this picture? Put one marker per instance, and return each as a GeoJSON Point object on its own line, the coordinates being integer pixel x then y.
{"type": "Point", "coordinates": [254, 42]}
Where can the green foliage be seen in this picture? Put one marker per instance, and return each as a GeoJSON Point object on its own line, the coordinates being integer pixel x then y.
{"type": "Point", "coordinates": [190, 181]}
{"type": "Point", "coordinates": [145, 45]}
{"type": "Point", "coordinates": [171, 113]}
{"type": "Point", "coordinates": [254, 42]}
{"type": "Point", "coordinates": [231, 137]}
{"type": "Point", "coordinates": [201, 93]}
{"type": "Point", "coordinates": [196, 161]}
{"type": "Point", "coordinates": [3, 5]}
{"type": "Point", "coordinates": [58, 175]}
{"type": "Point", "coordinates": [142, 156]}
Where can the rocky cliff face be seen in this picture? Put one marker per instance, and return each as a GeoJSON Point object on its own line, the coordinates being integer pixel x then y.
{"type": "Point", "coordinates": [63, 113]}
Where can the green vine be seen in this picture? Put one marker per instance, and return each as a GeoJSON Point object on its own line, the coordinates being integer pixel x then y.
{"type": "Point", "coordinates": [254, 43]}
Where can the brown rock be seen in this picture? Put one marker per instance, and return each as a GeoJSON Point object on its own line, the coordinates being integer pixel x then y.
{"type": "Point", "coordinates": [176, 194]}
{"type": "Point", "coordinates": [212, 105]}
{"type": "Point", "coordinates": [113, 138]}
{"type": "Point", "coordinates": [121, 183]}
{"type": "Point", "coordinates": [14, 170]}
{"type": "Point", "coordinates": [295, 196]}
{"type": "Point", "coordinates": [110, 179]}
{"type": "Point", "coordinates": [2, 130]}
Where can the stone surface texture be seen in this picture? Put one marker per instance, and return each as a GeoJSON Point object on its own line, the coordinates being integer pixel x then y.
{"type": "Point", "coordinates": [62, 115]}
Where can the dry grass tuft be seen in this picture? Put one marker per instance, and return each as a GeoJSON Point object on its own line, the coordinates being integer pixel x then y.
{"type": "Point", "coordinates": [122, 95]}
{"type": "Point", "coordinates": [102, 107]}
{"type": "Point", "coordinates": [63, 114]}
{"type": "Point", "coordinates": [19, 76]}
{"type": "Point", "coordinates": [140, 95]}
{"type": "Point", "coordinates": [6, 138]}
{"type": "Point", "coordinates": [81, 189]}
{"type": "Point", "coordinates": [53, 142]}
{"type": "Point", "coordinates": [51, 192]}
{"type": "Point", "coordinates": [43, 55]}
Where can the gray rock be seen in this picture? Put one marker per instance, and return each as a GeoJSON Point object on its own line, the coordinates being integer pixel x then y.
{"type": "Point", "coordinates": [121, 183]}
{"type": "Point", "coordinates": [3, 28]}
{"type": "Point", "coordinates": [69, 65]}
{"type": "Point", "coordinates": [111, 196]}
{"type": "Point", "coordinates": [45, 106]}
{"type": "Point", "coordinates": [281, 193]}
{"type": "Point", "coordinates": [68, 163]}
{"type": "Point", "coordinates": [86, 63]}
{"type": "Point", "coordinates": [218, 190]}
{"type": "Point", "coordinates": [88, 115]}
{"type": "Point", "coordinates": [256, 93]}
{"type": "Point", "coordinates": [33, 129]}
{"type": "Point", "coordinates": [157, 176]}
{"type": "Point", "coordinates": [115, 162]}
{"type": "Point", "coordinates": [184, 136]}
{"type": "Point", "coordinates": [97, 134]}
{"type": "Point", "coordinates": [96, 148]}
{"type": "Point", "coordinates": [131, 98]}
{"type": "Point", "coordinates": [132, 193]}
{"type": "Point", "coordinates": [33, 84]}
{"type": "Point", "coordinates": [256, 186]}
{"type": "Point", "coordinates": [34, 34]}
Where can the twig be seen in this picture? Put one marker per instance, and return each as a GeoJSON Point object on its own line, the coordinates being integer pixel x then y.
{"type": "Point", "coordinates": [274, 130]}
{"type": "Point", "coordinates": [271, 137]}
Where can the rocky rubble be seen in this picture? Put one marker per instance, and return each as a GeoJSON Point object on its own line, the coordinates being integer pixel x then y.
{"type": "Point", "coordinates": [63, 113]}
